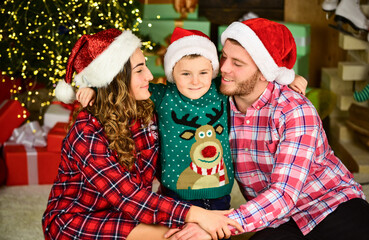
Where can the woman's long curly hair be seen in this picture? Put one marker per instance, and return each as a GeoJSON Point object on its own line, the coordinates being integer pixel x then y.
{"type": "Point", "coordinates": [117, 110]}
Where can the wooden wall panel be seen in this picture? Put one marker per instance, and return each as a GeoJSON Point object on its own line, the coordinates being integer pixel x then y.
{"type": "Point", "coordinates": [222, 12]}
{"type": "Point", "coordinates": [325, 51]}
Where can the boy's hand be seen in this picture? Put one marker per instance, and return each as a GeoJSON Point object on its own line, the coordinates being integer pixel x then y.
{"type": "Point", "coordinates": [190, 231]}
{"type": "Point", "coordinates": [299, 84]}
{"type": "Point", "coordinates": [86, 96]}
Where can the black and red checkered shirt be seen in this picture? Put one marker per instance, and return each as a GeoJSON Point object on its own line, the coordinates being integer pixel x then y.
{"type": "Point", "coordinates": [94, 197]}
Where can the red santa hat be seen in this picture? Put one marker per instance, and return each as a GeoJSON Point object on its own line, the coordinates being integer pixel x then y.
{"type": "Point", "coordinates": [96, 59]}
{"type": "Point", "coordinates": [270, 44]}
{"type": "Point", "coordinates": [186, 42]}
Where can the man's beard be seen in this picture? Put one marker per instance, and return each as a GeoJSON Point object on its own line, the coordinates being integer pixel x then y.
{"type": "Point", "coordinates": [244, 88]}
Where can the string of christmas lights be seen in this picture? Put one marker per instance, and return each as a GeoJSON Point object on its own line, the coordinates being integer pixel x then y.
{"type": "Point", "coordinates": [36, 38]}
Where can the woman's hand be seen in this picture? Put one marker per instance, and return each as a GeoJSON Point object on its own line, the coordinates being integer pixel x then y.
{"type": "Point", "coordinates": [299, 84]}
{"type": "Point", "coordinates": [86, 96]}
{"type": "Point", "coordinates": [190, 231]}
{"type": "Point", "coordinates": [213, 222]}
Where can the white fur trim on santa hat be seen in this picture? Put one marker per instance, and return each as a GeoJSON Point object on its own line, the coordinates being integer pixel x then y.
{"type": "Point", "coordinates": [254, 46]}
{"type": "Point", "coordinates": [188, 45]}
{"type": "Point", "coordinates": [64, 92]}
{"type": "Point", "coordinates": [102, 70]}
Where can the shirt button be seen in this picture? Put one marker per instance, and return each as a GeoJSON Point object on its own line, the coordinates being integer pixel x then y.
{"type": "Point", "coordinates": [246, 149]}
{"type": "Point", "coordinates": [258, 107]}
{"type": "Point", "coordinates": [252, 174]}
{"type": "Point", "coordinates": [248, 121]}
{"type": "Point", "coordinates": [261, 222]}
{"type": "Point", "coordinates": [236, 232]}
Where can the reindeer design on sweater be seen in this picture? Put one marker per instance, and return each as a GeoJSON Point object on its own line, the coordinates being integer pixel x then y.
{"type": "Point", "coordinates": [207, 168]}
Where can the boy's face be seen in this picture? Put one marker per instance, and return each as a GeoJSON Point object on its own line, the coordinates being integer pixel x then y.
{"type": "Point", "coordinates": [193, 76]}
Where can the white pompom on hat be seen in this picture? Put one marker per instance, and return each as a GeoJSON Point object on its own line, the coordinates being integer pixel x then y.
{"type": "Point", "coordinates": [270, 44]}
{"type": "Point", "coordinates": [185, 42]}
{"type": "Point", "coordinates": [96, 59]}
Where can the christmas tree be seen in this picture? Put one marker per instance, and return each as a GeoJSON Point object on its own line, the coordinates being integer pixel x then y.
{"type": "Point", "coordinates": [36, 36]}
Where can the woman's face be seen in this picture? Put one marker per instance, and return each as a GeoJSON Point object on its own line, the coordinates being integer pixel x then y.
{"type": "Point", "coordinates": [140, 76]}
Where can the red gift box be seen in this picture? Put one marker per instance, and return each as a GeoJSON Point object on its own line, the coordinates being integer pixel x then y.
{"type": "Point", "coordinates": [2, 171]}
{"type": "Point", "coordinates": [55, 137]}
{"type": "Point", "coordinates": [12, 115]}
{"type": "Point", "coordinates": [27, 165]}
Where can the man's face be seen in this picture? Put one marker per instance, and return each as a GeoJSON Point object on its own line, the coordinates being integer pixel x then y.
{"type": "Point", "coordinates": [239, 72]}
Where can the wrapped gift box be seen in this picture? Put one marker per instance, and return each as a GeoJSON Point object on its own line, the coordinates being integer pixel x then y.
{"type": "Point", "coordinates": [301, 34]}
{"type": "Point", "coordinates": [165, 11]}
{"type": "Point", "coordinates": [157, 70]}
{"type": "Point", "coordinates": [55, 137]}
{"type": "Point", "coordinates": [28, 165]}
{"type": "Point", "coordinates": [2, 171]}
{"type": "Point", "coordinates": [56, 113]}
{"type": "Point", "coordinates": [301, 66]}
{"type": "Point", "coordinates": [159, 30]}
{"type": "Point", "coordinates": [221, 29]}
{"type": "Point", "coordinates": [12, 115]}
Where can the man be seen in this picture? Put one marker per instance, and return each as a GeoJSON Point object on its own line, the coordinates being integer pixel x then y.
{"type": "Point", "coordinates": [295, 187]}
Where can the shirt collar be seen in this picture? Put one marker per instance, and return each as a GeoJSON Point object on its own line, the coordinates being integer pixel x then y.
{"type": "Point", "coordinates": [262, 100]}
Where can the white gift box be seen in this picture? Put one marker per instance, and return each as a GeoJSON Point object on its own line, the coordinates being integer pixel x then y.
{"type": "Point", "coordinates": [56, 113]}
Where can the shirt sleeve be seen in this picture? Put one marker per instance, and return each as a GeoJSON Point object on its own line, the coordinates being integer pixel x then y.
{"type": "Point", "coordinates": [299, 130]}
{"type": "Point", "coordinates": [123, 189]}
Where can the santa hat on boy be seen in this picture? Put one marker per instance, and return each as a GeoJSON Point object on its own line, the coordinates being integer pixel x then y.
{"type": "Point", "coordinates": [97, 59]}
{"type": "Point", "coordinates": [186, 42]}
{"type": "Point", "coordinates": [270, 44]}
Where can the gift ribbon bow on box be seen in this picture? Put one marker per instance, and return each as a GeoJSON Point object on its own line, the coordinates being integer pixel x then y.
{"type": "Point", "coordinates": [30, 135]}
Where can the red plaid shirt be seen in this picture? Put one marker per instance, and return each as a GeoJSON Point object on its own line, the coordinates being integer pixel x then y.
{"type": "Point", "coordinates": [284, 164]}
{"type": "Point", "coordinates": [94, 197]}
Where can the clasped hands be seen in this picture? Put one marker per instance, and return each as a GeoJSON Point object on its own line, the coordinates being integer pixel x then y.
{"type": "Point", "coordinates": [205, 224]}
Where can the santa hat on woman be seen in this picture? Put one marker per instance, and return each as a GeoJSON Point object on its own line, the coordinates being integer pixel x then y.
{"type": "Point", "coordinates": [270, 44]}
{"type": "Point", "coordinates": [186, 42]}
{"type": "Point", "coordinates": [97, 59]}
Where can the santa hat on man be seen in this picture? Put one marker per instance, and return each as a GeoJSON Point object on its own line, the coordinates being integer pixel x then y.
{"type": "Point", "coordinates": [270, 44]}
{"type": "Point", "coordinates": [97, 59]}
{"type": "Point", "coordinates": [186, 42]}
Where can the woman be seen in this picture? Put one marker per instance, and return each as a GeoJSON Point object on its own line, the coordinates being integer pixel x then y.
{"type": "Point", "coordinates": [103, 187]}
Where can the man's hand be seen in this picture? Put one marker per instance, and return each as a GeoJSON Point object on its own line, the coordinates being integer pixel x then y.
{"type": "Point", "coordinates": [213, 222]}
{"type": "Point", "coordinates": [86, 96]}
{"type": "Point", "coordinates": [191, 231]}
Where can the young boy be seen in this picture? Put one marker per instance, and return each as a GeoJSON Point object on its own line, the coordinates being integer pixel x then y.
{"type": "Point", "coordinates": [193, 124]}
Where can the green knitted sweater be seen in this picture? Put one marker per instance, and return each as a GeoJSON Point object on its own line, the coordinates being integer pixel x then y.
{"type": "Point", "coordinates": [195, 154]}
